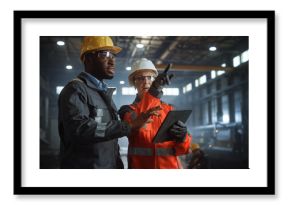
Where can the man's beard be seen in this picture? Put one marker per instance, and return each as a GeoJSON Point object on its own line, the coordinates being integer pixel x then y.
{"type": "Point", "coordinates": [108, 77]}
{"type": "Point", "coordinates": [103, 76]}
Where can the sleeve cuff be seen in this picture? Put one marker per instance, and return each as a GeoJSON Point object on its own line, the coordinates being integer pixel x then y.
{"type": "Point", "coordinates": [126, 128]}
{"type": "Point", "coordinates": [155, 92]}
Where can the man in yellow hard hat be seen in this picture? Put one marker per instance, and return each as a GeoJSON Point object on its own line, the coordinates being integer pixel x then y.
{"type": "Point", "coordinates": [88, 121]}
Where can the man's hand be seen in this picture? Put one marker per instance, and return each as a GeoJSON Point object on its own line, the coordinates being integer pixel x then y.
{"type": "Point", "coordinates": [178, 131]}
{"type": "Point", "coordinates": [161, 80]}
{"type": "Point", "coordinates": [144, 118]}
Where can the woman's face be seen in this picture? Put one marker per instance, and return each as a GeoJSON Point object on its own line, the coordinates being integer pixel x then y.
{"type": "Point", "coordinates": [142, 81]}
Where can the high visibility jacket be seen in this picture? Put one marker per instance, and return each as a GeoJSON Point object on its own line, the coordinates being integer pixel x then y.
{"type": "Point", "coordinates": [142, 152]}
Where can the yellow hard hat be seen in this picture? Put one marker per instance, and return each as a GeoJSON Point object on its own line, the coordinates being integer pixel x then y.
{"type": "Point", "coordinates": [96, 43]}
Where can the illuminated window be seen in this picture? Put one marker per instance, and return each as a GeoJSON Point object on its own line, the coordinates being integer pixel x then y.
{"type": "Point", "coordinates": [220, 72]}
{"type": "Point", "coordinates": [237, 61]}
{"type": "Point", "coordinates": [139, 45]}
{"type": "Point", "coordinates": [58, 89]}
{"type": "Point", "coordinates": [225, 109]}
{"type": "Point", "coordinates": [196, 83]}
{"type": "Point", "coordinates": [171, 91]}
{"type": "Point", "coordinates": [128, 91]}
{"type": "Point", "coordinates": [202, 79]}
{"type": "Point", "coordinates": [115, 91]}
{"type": "Point", "coordinates": [245, 56]}
{"type": "Point", "coordinates": [187, 88]}
{"type": "Point", "coordinates": [213, 74]}
{"type": "Point", "coordinates": [226, 118]}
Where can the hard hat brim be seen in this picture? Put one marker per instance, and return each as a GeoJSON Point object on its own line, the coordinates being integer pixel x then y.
{"type": "Point", "coordinates": [113, 49]}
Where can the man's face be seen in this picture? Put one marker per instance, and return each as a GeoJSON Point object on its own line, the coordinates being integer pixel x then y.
{"type": "Point", "coordinates": [102, 65]}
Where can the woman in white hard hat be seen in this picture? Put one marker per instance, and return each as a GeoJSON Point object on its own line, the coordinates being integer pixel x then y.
{"type": "Point", "coordinates": [142, 152]}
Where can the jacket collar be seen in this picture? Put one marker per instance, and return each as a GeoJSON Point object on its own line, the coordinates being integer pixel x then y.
{"type": "Point", "coordinates": [93, 82]}
{"type": "Point", "coordinates": [137, 99]}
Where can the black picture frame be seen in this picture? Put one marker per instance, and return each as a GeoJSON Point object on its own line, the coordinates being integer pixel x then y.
{"type": "Point", "coordinates": [19, 189]}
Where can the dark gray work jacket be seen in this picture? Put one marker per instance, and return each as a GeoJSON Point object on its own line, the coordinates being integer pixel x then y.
{"type": "Point", "coordinates": [89, 127]}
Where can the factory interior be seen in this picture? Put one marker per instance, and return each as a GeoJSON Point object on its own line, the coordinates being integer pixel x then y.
{"type": "Point", "coordinates": [210, 78]}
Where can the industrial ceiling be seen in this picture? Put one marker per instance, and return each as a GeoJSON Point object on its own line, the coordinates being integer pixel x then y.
{"type": "Point", "coordinates": [190, 55]}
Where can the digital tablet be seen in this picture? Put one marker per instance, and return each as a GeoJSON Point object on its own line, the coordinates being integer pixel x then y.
{"type": "Point", "coordinates": [172, 117]}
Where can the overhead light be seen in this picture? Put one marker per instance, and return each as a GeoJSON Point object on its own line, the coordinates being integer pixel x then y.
{"type": "Point", "coordinates": [128, 68]}
{"type": "Point", "coordinates": [122, 82]}
{"type": "Point", "coordinates": [213, 48]}
{"type": "Point", "coordinates": [60, 43]}
{"type": "Point", "coordinates": [139, 45]}
{"type": "Point", "coordinates": [224, 65]}
{"type": "Point", "coordinates": [69, 67]}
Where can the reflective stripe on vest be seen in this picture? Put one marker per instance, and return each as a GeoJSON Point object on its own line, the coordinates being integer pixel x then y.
{"type": "Point", "coordinates": [165, 151]}
{"type": "Point", "coordinates": [149, 151]}
{"type": "Point", "coordinates": [140, 151]}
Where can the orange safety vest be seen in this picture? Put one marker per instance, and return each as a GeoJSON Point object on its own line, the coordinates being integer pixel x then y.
{"type": "Point", "coordinates": [142, 152]}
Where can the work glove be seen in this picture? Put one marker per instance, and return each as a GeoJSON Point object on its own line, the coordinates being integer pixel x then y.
{"type": "Point", "coordinates": [178, 131]}
{"type": "Point", "coordinates": [161, 80]}
{"type": "Point", "coordinates": [144, 118]}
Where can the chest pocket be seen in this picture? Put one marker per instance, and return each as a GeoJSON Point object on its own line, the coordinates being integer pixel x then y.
{"type": "Point", "coordinates": [98, 108]}
{"type": "Point", "coordinates": [100, 115]}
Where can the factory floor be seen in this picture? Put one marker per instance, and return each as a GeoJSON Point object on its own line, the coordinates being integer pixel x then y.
{"type": "Point", "coordinates": [216, 160]}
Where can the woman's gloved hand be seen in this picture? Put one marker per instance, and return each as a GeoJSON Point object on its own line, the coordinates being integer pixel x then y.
{"type": "Point", "coordinates": [178, 131]}
{"type": "Point", "coordinates": [144, 118]}
{"type": "Point", "coordinates": [161, 80]}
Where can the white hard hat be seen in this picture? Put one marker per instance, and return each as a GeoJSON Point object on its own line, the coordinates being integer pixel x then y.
{"type": "Point", "coordinates": [141, 65]}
